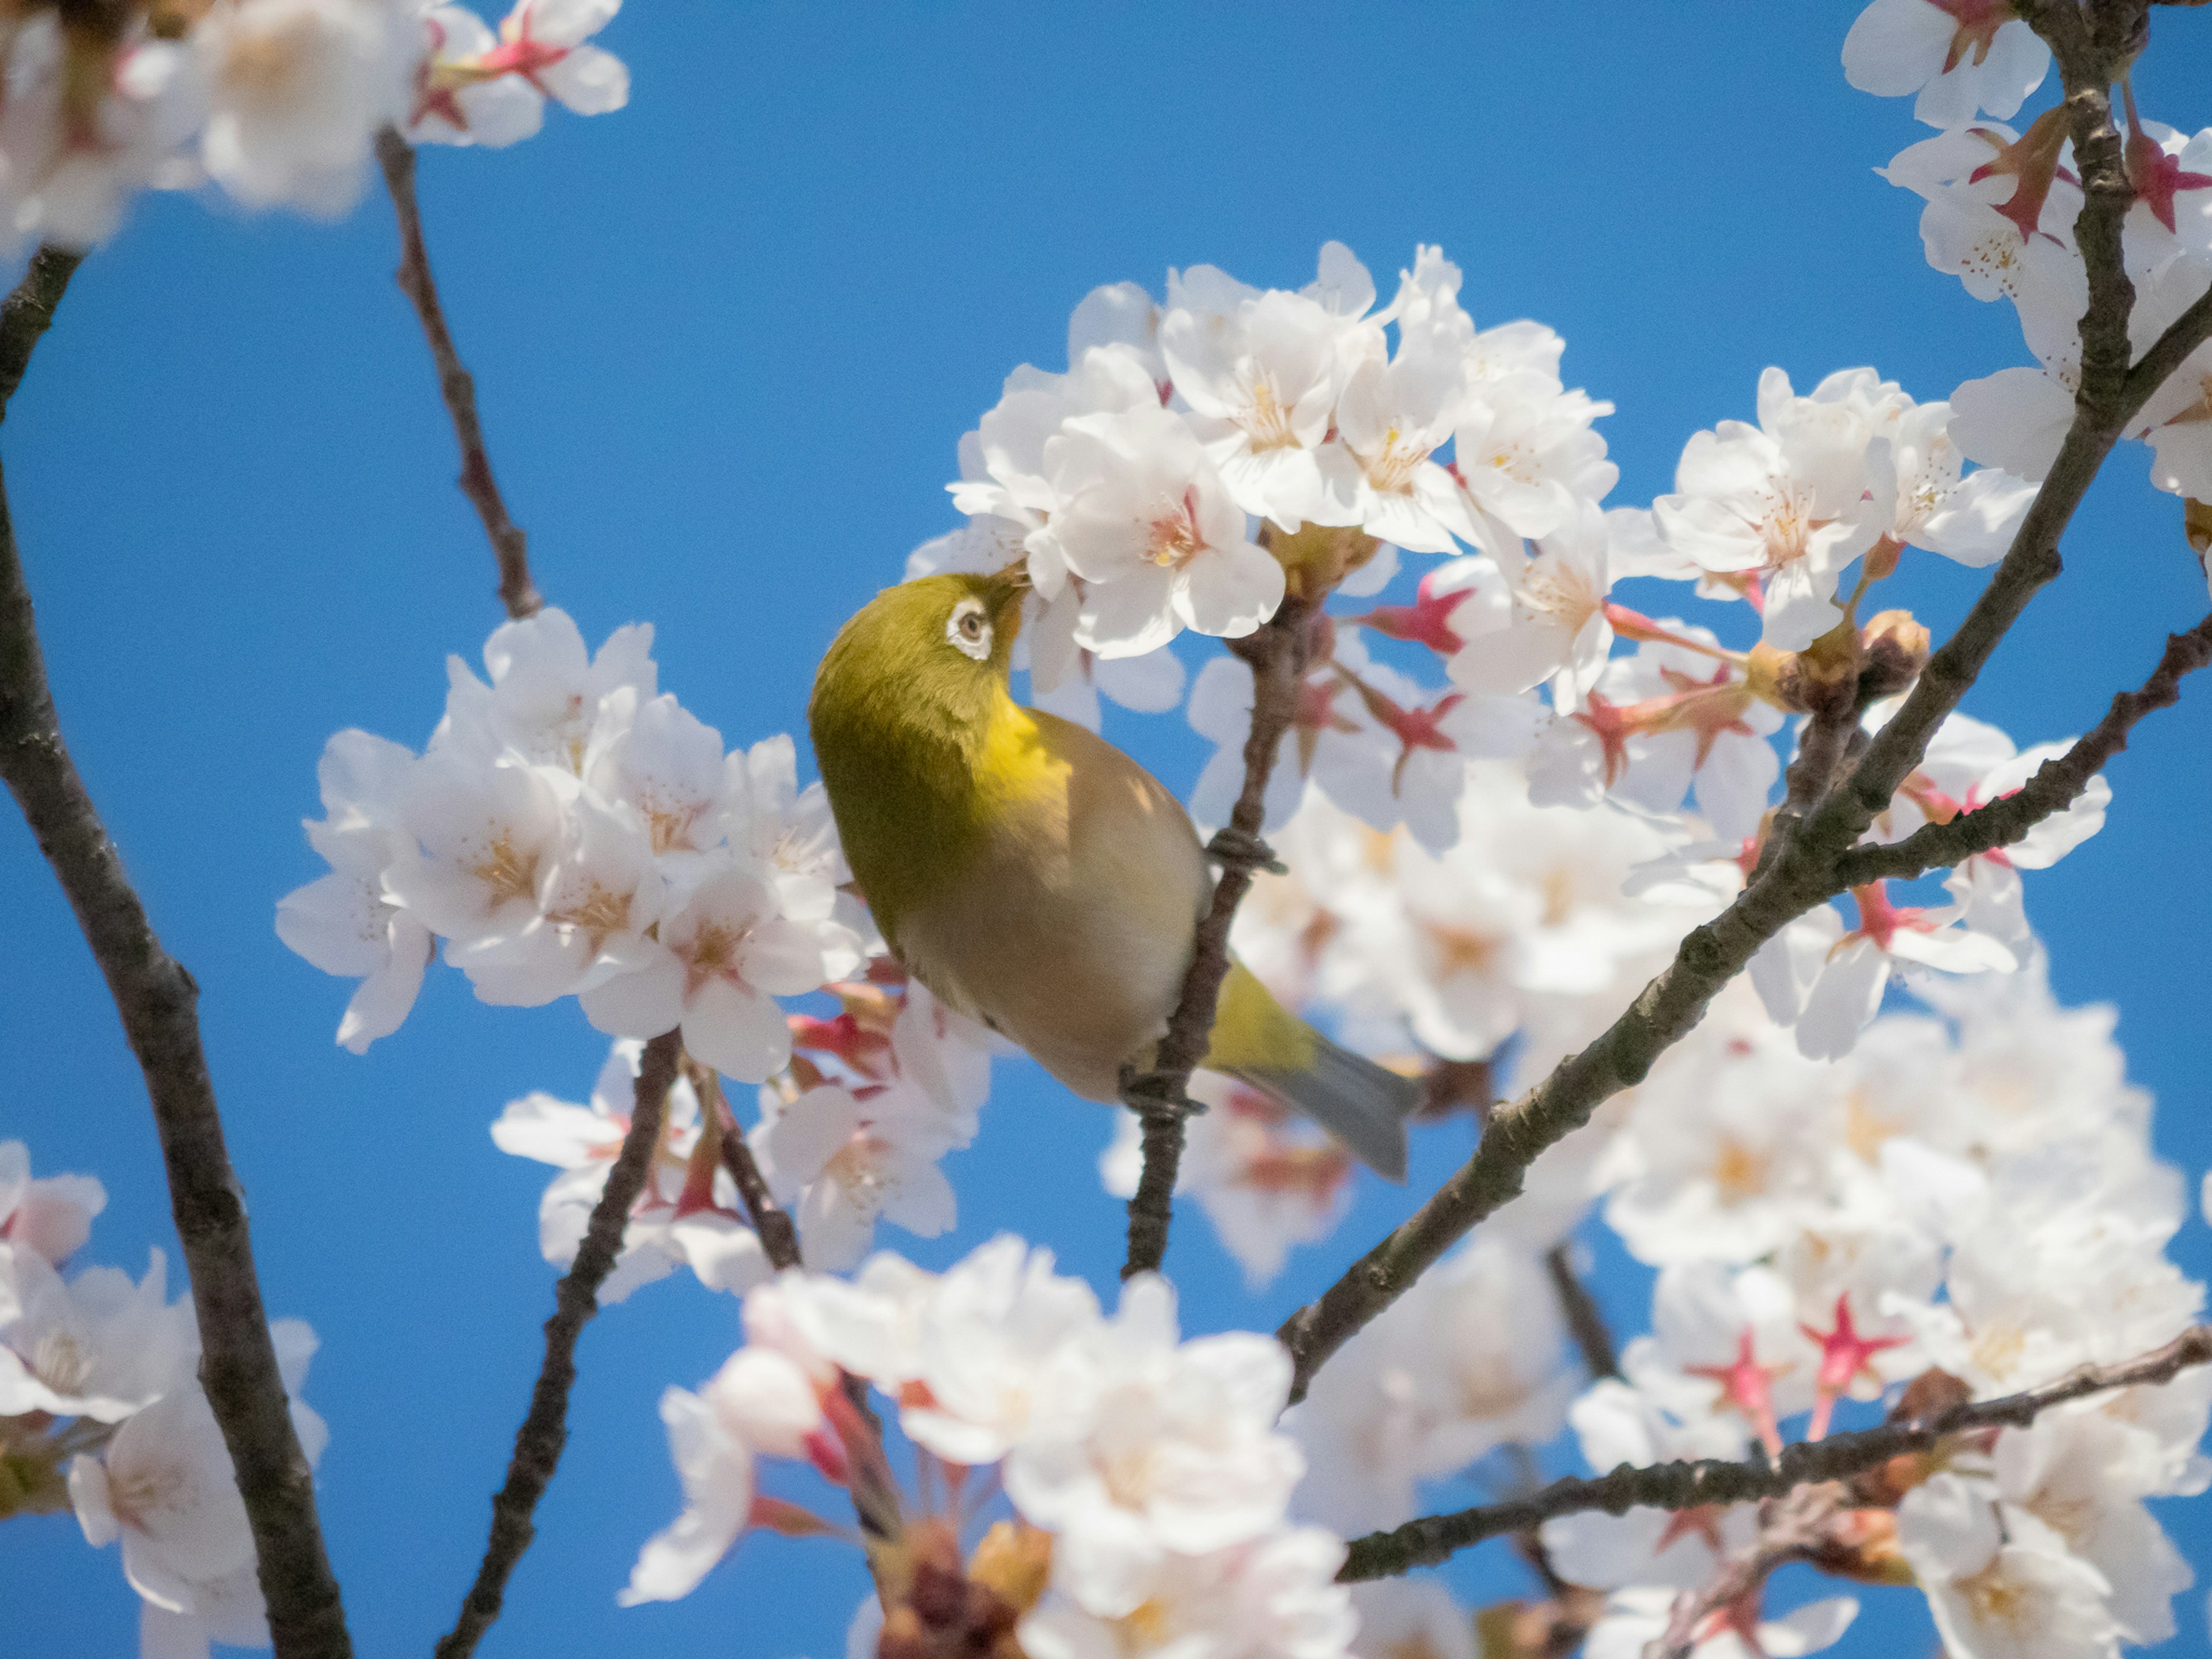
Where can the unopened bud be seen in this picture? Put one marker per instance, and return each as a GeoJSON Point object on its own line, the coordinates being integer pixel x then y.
{"type": "Point", "coordinates": [1893, 652]}
{"type": "Point", "coordinates": [2197, 525]}
{"type": "Point", "coordinates": [1316, 558]}
{"type": "Point", "coordinates": [1861, 1544]}
{"type": "Point", "coordinates": [1014, 1563]}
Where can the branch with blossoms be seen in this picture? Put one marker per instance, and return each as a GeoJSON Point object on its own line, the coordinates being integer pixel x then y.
{"type": "Point", "coordinates": [538, 1442]}
{"type": "Point", "coordinates": [1806, 872]}
{"type": "Point", "coordinates": [1278, 651]}
{"type": "Point", "coordinates": [1473, 880]}
{"type": "Point", "coordinates": [240, 1371]}
{"type": "Point", "coordinates": [2057, 783]}
{"type": "Point", "coordinates": [1695, 1484]}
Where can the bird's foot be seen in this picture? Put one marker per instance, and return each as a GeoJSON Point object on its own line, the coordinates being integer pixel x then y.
{"type": "Point", "coordinates": [1234, 847]}
{"type": "Point", "coordinates": [1152, 1095]}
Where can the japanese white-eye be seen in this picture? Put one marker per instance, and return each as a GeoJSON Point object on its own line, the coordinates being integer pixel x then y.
{"type": "Point", "coordinates": [1036, 878]}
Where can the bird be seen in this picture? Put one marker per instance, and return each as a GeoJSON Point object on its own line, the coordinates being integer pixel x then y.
{"type": "Point", "coordinates": [1036, 878]}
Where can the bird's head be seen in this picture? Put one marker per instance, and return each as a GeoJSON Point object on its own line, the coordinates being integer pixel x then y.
{"type": "Point", "coordinates": [927, 659]}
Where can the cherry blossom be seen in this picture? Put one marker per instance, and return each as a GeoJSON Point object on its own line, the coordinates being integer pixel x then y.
{"type": "Point", "coordinates": [345, 923]}
{"type": "Point", "coordinates": [296, 91]}
{"type": "Point", "coordinates": [1959, 56]}
{"type": "Point", "coordinates": [1141, 513]}
{"type": "Point", "coordinates": [165, 1486]}
{"type": "Point", "coordinates": [1784, 504]}
{"type": "Point", "coordinates": [48, 1216]}
{"type": "Point", "coordinates": [1262, 372]}
{"type": "Point", "coordinates": [474, 89]}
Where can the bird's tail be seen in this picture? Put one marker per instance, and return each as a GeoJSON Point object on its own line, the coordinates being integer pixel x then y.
{"type": "Point", "coordinates": [1259, 1042]}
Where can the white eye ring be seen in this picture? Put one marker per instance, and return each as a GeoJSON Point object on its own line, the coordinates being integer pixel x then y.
{"type": "Point", "coordinates": [969, 629]}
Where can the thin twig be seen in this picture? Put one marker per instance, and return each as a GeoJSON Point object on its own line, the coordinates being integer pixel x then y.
{"type": "Point", "coordinates": [1795, 1527]}
{"type": "Point", "coordinates": [1585, 1319]}
{"type": "Point", "coordinates": [779, 1238]}
{"type": "Point", "coordinates": [2055, 786]}
{"type": "Point", "coordinates": [508, 545]}
{"type": "Point", "coordinates": [1277, 653]}
{"type": "Point", "coordinates": [545, 1431]}
{"type": "Point", "coordinates": [28, 312]}
{"type": "Point", "coordinates": [1683, 1486]}
{"type": "Point", "coordinates": [158, 1002]}
{"type": "Point", "coordinates": [1804, 874]}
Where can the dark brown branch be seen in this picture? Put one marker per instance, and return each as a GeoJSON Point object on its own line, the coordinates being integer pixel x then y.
{"type": "Point", "coordinates": [1277, 652]}
{"type": "Point", "coordinates": [508, 545]}
{"type": "Point", "coordinates": [545, 1431]}
{"type": "Point", "coordinates": [158, 1002]}
{"type": "Point", "coordinates": [28, 312]}
{"type": "Point", "coordinates": [2055, 786]}
{"type": "Point", "coordinates": [1805, 872]}
{"type": "Point", "coordinates": [1585, 1319]}
{"type": "Point", "coordinates": [1683, 1486]}
{"type": "Point", "coordinates": [779, 1238]}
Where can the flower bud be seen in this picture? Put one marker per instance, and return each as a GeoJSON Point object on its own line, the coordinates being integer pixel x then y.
{"type": "Point", "coordinates": [1894, 650]}
{"type": "Point", "coordinates": [1316, 558]}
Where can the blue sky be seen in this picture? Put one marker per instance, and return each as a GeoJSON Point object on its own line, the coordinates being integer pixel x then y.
{"type": "Point", "coordinates": [726, 341]}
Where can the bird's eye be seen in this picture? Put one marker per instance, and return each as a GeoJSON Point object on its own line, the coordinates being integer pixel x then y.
{"type": "Point", "coordinates": [969, 629]}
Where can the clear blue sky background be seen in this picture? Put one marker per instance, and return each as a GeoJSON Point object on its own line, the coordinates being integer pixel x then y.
{"type": "Point", "coordinates": [726, 341]}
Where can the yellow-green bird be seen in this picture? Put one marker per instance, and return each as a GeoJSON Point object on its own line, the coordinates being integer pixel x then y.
{"type": "Point", "coordinates": [1036, 878]}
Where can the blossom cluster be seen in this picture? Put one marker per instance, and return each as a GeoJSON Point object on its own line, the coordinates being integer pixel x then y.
{"type": "Point", "coordinates": [274, 101]}
{"type": "Point", "coordinates": [1999, 214]}
{"type": "Point", "coordinates": [101, 1413]}
{"type": "Point", "coordinates": [568, 832]}
{"type": "Point", "coordinates": [1148, 1486]}
{"type": "Point", "coordinates": [849, 1133]}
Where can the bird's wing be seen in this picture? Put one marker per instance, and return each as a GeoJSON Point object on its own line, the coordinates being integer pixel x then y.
{"type": "Point", "coordinates": [1071, 932]}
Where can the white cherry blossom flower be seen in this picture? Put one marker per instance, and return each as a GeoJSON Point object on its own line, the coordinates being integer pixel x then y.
{"type": "Point", "coordinates": [1275, 1598]}
{"type": "Point", "coordinates": [2000, 1583]}
{"type": "Point", "coordinates": [486, 834]}
{"type": "Point", "coordinates": [1155, 1450]}
{"type": "Point", "coordinates": [1261, 371]}
{"type": "Point", "coordinates": [1959, 56]}
{"type": "Point", "coordinates": [1391, 418]}
{"type": "Point", "coordinates": [720, 959]}
{"type": "Point", "coordinates": [49, 1216]}
{"type": "Point", "coordinates": [86, 124]}
{"type": "Point", "coordinates": [545, 690]}
{"type": "Point", "coordinates": [1784, 503]}
{"type": "Point", "coordinates": [843, 1164]}
{"type": "Point", "coordinates": [346, 923]}
{"type": "Point", "coordinates": [296, 91]}
{"type": "Point", "coordinates": [1637, 1618]}
{"type": "Point", "coordinates": [165, 1486]}
{"type": "Point", "coordinates": [97, 1346]}
{"type": "Point", "coordinates": [1143, 516]}
{"type": "Point", "coordinates": [716, 1468]}
{"type": "Point", "coordinates": [1524, 453]}
{"type": "Point", "coordinates": [997, 1324]}
{"type": "Point", "coordinates": [474, 89]}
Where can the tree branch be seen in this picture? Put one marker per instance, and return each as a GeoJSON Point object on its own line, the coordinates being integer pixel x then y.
{"type": "Point", "coordinates": [1682, 1485]}
{"type": "Point", "coordinates": [158, 1002]}
{"type": "Point", "coordinates": [2055, 786]}
{"type": "Point", "coordinates": [508, 545]}
{"type": "Point", "coordinates": [1585, 1319]}
{"type": "Point", "coordinates": [1805, 872]}
{"type": "Point", "coordinates": [545, 1431]}
{"type": "Point", "coordinates": [28, 313]}
{"type": "Point", "coordinates": [1795, 1527]}
{"type": "Point", "coordinates": [1278, 651]}
{"type": "Point", "coordinates": [779, 1238]}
